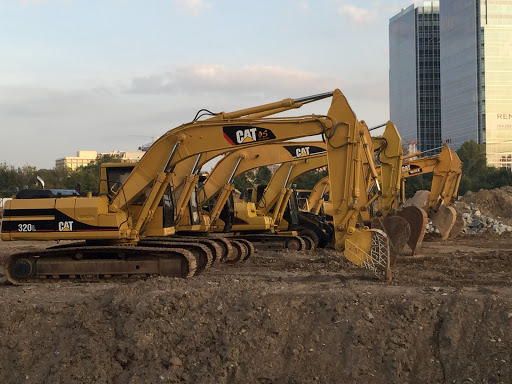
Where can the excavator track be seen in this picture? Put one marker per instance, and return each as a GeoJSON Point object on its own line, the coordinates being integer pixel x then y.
{"type": "Point", "coordinates": [224, 249]}
{"type": "Point", "coordinates": [215, 250]}
{"type": "Point", "coordinates": [80, 262]}
{"type": "Point", "coordinates": [310, 245]}
{"type": "Point", "coordinates": [203, 255]}
{"type": "Point", "coordinates": [240, 251]}
{"type": "Point", "coordinates": [227, 248]}
{"type": "Point", "coordinates": [270, 242]}
{"type": "Point", "coordinates": [311, 239]}
{"type": "Point", "coordinates": [250, 248]}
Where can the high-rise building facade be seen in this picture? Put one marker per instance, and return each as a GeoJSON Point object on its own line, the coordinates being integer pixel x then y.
{"type": "Point", "coordinates": [472, 79]}
{"type": "Point", "coordinates": [414, 75]}
{"type": "Point", "coordinates": [476, 75]}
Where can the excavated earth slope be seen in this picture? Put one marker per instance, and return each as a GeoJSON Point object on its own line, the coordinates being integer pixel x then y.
{"type": "Point", "coordinates": [279, 318]}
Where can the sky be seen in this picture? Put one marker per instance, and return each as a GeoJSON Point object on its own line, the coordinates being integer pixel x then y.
{"type": "Point", "coordinates": [106, 75]}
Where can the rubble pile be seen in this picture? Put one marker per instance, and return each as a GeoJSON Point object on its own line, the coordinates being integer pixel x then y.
{"type": "Point", "coordinates": [485, 211]}
{"type": "Point", "coordinates": [488, 210]}
{"type": "Point", "coordinates": [476, 222]}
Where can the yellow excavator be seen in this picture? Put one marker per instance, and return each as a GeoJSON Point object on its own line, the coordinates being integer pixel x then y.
{"type": "Point", "coordinates": [164, 226]}
{"type": "Point", "coordinates": [242, 217]}
{"type": "Point", "coordinates": [447, 170]}
{"type": "Point", "coordinates": [296, 158]}
{"type": "Point", "coordinates": [113, 225]}
{"type": "Point", "coordinates": [380, 184]}
{"type": "Point", "coordinates": [249, 223]}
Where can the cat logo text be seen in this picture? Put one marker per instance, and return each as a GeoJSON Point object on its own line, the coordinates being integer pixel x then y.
{"type": "Point", "coordinates": [236, 135]}
{"type": "Point", "coordinates": [65, 226]}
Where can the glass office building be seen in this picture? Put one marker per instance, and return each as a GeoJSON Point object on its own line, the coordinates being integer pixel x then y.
{"type": "Point", "coordinates": [471, 40]}
{"type": "Point", "coordinates": [476, 75]}
{"type": "Point", "coordinates": [414, 75]}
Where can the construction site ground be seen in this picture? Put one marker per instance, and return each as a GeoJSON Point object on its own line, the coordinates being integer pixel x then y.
{"type": "Point", "coordinates": [280, 317]}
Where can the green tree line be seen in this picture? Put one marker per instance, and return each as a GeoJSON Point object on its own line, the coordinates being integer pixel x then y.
{"type": "Point", "coordinates": [263, 175]}
{"type": "Point", "coordinates": [86, 178]}
{"type": "Point", "coordinates": [476, 175]}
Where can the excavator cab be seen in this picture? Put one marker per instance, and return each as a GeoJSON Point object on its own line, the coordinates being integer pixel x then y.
{"type": "Point", "coordinates": [112, 178]}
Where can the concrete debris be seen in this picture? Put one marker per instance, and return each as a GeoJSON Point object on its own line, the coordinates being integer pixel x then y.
{"type": "Point", "coordinates": [485, 211]}
{"type": "Point", "coordinates": [476, 222]}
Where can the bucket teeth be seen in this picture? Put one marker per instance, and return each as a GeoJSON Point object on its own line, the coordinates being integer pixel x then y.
{"type": "Point", "coordinates": [398, 231]}
{"type": "Point", "coordinates": [370, 249]}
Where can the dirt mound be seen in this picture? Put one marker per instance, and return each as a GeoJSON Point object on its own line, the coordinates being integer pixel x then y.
{"type": "Point", "coordinates": [495, 203]}
{"type": "Point", "coordinates": [278, 318]}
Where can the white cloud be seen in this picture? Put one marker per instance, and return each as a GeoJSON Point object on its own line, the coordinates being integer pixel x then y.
{"type": "Point", "coordinates": [210, 78]}
{"type": "Point", "coordinates": [303, 6]}
{"type": "Point", "coordinates": [106, 118]}
{"type": "Point", "coordinates": [357, 16]}
{"type": "Point", "coordinates": [229, 88]}
{"type": "Point", "coordinates": [195, 7]}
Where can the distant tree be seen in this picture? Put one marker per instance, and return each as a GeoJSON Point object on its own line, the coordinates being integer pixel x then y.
{"type": "Point", "coordinates": [473, 158]}
{"type": "Point", "coordinates": [417, 183]}
{"type": "Point", "coordinates": [309, 179]}
{"type": "Point", "coordinates": [262, 175]}
{"type": "Point", "coordinates": [242, 182]}
{"type": "Point", "coordinates": [13, 179]}
{"type": "Point", "coordinates": [476, 174]}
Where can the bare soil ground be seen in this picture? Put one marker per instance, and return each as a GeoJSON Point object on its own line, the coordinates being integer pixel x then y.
{"type": "Point", "coordinates": [278, 318]}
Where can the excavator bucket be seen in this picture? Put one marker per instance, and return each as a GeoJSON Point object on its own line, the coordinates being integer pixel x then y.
{"type": "Point", "coordinates": [444, 220]}
{"type": "Point", "coordinates": [398, 231]}
{"type": "Point", "coordinates": [370, 249]}
{"type": "Point", "coordinates": [457, 227]}
{"type": "Point", "coordinates": [417, 219]}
